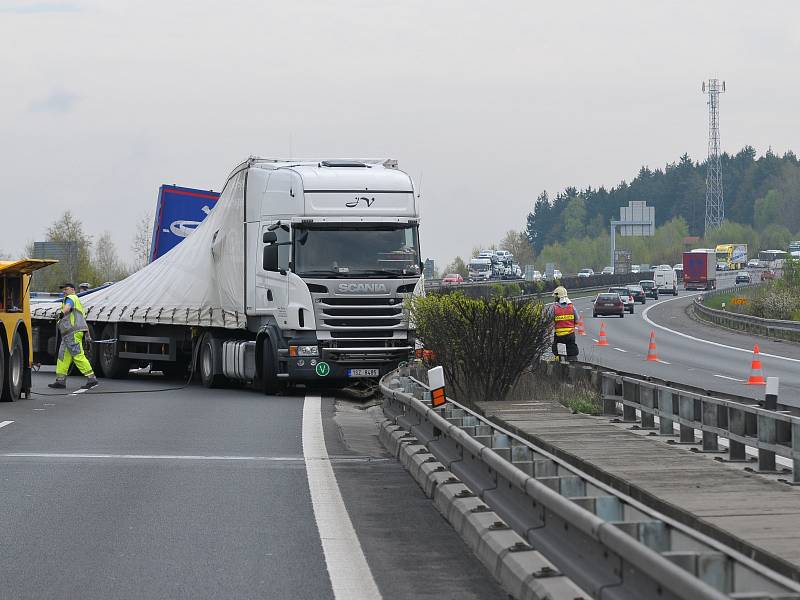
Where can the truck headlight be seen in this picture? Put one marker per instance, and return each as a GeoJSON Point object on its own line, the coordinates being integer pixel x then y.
{"type": "Point", "coordinates": [307, 351]}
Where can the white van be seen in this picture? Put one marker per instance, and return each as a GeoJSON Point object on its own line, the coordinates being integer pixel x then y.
{"type": "Point", "coordinates": [666, 280]}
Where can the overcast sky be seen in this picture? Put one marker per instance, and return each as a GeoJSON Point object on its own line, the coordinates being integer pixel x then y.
{"type": "Point", "coordinates": [485, 104]}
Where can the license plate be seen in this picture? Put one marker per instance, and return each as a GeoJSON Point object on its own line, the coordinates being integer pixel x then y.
{"type": "Point", "coordinates": [363, 372]}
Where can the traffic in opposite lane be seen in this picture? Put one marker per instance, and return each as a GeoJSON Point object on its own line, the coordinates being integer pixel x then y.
{"type": "Point", "coordinates": [689, 352]}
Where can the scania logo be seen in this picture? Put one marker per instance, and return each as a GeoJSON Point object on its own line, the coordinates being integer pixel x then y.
{"type": "Point", "coordinates": [358, 199]}
{"type": "Point", "coordinates": [363, 288]}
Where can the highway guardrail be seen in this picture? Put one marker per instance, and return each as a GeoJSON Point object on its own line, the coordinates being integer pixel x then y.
{"type": "Point", "coordinates": [607, 543]}
{"type": "Point", "coordinates": [775, 328]}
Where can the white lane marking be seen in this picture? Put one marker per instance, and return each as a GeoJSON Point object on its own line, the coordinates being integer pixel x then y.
{"type": "Point", "coordinates": [151, 456]}
{"type": "Point", "coordinates": [620, 350]}
{"type": "Point", "coordinates": [730, 378]}
{"type": "Point", "coordinates": [696, 339]}
{"type": "Point", "coordinates": [348, 570]}
{"type": "Point", "coordinates": [663, 362]}
{"type": "Point", "coordinates": [4, 423]}
{"type": "Point", "coordinates": [38, 409]}
{"type": "Point", "coordinates": [594, 340]}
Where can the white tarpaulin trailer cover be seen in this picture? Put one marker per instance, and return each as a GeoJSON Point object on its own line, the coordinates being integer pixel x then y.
{"type": "Point", "coordinates": [199, 282]}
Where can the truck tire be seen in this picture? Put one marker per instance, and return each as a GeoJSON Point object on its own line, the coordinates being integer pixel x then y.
{"type": "Point", "coordinates": [208, 358]}
{"type": "Point", "coordinates": [269, 370]}
{"type": "Point", "coordinates": [15, 373]}
{"type": "Point", "coordinates": [2, 364]}
{"type": "Point", "coordinates": [111, 364]}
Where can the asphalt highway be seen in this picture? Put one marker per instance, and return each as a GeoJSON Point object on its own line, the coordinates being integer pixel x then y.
{"type": "Point", "coordinates": [690, 352]}
{"type": "Point", "coordinates": [197, 493]}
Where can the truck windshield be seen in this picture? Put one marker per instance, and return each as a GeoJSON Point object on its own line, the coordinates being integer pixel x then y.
{"type": "Point", "coordinates": [368, 251]}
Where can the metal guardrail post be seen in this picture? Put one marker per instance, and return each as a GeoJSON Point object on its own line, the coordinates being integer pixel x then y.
{"type": "Point", "coordinates": [736, 425]}
{"type": "Point", "coordinates": [710, 418]}
{"type": "Point", "coordinates": [796, 453]}
{"type": "Point", "coordinates": [608, 387]}
{"type": "Point", "coordinates": [630, 391]}
{"type": "Point", "coordinates": [767, 434]}
{"type": "Point", "coordinates": [648, 397]}
{"type": "Point", "coordinates": [686, 412]}
{"type": "Point", "coordinates": [666, 404]}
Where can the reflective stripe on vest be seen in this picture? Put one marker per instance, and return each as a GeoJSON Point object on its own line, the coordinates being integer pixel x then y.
{"type": "Point", "coordinates": [565, 319]}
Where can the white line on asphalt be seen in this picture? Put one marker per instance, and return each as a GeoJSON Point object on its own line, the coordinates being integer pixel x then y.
{"type": "Point", "coordinates": [4, 423]}
{"type": "Point", "coordinates": [150, 456]}
{"type": "Point", "coordinates": [620, 350]}
{"type": "Point", "coordinates": [348, 570]}
{"type": "Point", "coordinates": [730, 378]}
{"type": "Point", "coordinates": [594, 340]}
{"type": "Point", "coordinates": [696, 339]}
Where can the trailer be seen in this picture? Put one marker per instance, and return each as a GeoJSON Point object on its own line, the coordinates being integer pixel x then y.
{"type": "Point", "coordinates": [298, 274]}
{"type": "Point", "coordinates": [700, 269]}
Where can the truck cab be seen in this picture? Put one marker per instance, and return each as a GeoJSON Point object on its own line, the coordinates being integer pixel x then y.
{"type": "Point", "coordinates": [16, 337]}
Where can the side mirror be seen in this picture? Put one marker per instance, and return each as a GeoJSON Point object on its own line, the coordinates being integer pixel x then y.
{"type": "Point", "coordinates": [270, 262]}
{"type": "Point", "coordinates": [270, 237]}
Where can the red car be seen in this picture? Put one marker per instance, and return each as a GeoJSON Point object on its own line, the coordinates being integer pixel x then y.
{"type": "Point", "coordinates": [452, 279]}
{"type": "Point", "coordinates": [608, 303]}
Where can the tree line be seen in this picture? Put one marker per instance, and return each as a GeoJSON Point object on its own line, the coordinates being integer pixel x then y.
{"type": "Point", "coordinates": [571, 230]}
{"type": "Point", "coordinates": [96, 261]}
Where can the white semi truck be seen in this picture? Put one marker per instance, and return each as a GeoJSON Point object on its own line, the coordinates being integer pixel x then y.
{"type": "Point", "coordinates": [298, 274]}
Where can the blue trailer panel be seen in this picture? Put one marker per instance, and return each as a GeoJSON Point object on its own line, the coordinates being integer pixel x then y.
{"type": "Point", "coordinates": [180, 210]}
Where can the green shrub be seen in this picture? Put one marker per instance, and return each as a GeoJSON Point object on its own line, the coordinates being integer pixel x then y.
{"type": "Point", "coordinates": [484, 345]}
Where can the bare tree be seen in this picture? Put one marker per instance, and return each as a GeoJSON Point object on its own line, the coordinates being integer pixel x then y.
{"type": "Point", "coordinates": [141, 241]}
{"type": "Point", "coordinates": [107, 264]}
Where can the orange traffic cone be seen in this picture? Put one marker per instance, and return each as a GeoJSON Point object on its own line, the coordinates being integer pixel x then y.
{"type": "Point", "coordinates": [602, 341]}
{"type": "Point", "coordinates": [651, 349]}
{"type": "Point", "coordinates": [756, 372]}
{"type": "Point", "coordinates": [579, 327]}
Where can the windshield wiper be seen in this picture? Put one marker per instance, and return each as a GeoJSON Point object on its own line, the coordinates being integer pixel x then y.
{"type": "Point", "coordinates": [324, 273]}
{"type": "Point", "coordinates": [385, 272]}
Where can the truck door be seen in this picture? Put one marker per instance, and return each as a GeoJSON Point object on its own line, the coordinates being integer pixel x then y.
{"type": "Point", "coordinates": [272, 287]}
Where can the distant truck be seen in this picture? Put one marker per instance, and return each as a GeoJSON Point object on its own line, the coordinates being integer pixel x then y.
{"type": "Point", "coordinates": [480, 269]}
{"type": "Point", "coordinates": [733, 256]}
{"type": "Point", "coordinates": [700, 269]}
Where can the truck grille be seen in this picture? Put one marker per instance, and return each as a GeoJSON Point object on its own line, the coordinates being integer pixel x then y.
{"type": "Point", "coordinates": [362, 329]}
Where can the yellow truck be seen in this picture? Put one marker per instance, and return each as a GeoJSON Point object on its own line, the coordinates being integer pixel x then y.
{"type": "Point", "coordinates": [16, 340]}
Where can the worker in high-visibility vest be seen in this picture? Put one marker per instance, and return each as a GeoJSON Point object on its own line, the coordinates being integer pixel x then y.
{"type": "Point", "coordinates": [564, 319]}
{"type": "Point", "coordinates": [72, 326]}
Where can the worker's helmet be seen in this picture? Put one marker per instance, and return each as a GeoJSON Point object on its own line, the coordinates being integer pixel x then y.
{"type": "Point", "coordinates": [560, 292]}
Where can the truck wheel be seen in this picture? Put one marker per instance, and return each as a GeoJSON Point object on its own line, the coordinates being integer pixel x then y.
{"type": "Point", "coordinates": [269, 370]}
{"type": "Point", "coordinates": [2, 364]}
{"type": "Point", "coordinates": [15, 374]}
{"type": "Point", "coordinates": [209, 351]}
{"type": "Point", "coordinates": [110, 363]}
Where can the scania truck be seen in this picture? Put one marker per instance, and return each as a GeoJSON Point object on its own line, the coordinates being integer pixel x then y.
{"type": "Point", "coordinates": [298, 274]}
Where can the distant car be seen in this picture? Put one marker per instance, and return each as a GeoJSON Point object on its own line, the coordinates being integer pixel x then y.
{"type": "Point", "coordinates": [721, 266]}
{"type": "Point", "coordinates": [585, 273]}
{"type": "Point", "coordinates": [608, 303]}
{"type": "Point", "coordinates": [753, 263]}
{"type": "Point", "coordinates": [537, 276]}
{"type": "Point", "coordinates": [452, 279]}
{"type": "Point", "coordinates": [625, 296]}
{"type": "Point", "coordinates": [608, 271]}
{"type": "Point", "coordinates": [768, 275]}
{"type": "Point", "coordinates": [637, 293]}
{"type": "Point", "coordinates": [649, 287]}
{"type": "Point", "coordinates": [678, 268]}
{"type": "Point", "coordinates": [556, 274]}
{"type": "Point", "coordinates": [743, 277]}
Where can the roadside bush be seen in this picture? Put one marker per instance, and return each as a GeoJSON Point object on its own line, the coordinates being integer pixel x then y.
{"type": "Point", "coordinates": [775, 302]}
{"type": "Point", "coordinates": [484, 345]}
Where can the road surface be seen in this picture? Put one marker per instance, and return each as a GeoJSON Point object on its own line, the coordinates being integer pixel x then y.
{"type": "Point", "coordinates": [197, 493]}
{"type": "Point", "coordinates": [690, 352]}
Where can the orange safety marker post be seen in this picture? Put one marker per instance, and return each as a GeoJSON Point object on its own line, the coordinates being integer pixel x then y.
{"type": "Point", "coordinates": [579, 327]}
{"type": "Point", "coordinates": [436, 385]}
{"type": "Point", "coordinates": [602, 340]}
{"type": "Point", "coordinates": [651, 349]}
{"type": "Point", "coordinates": [756, 371]}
